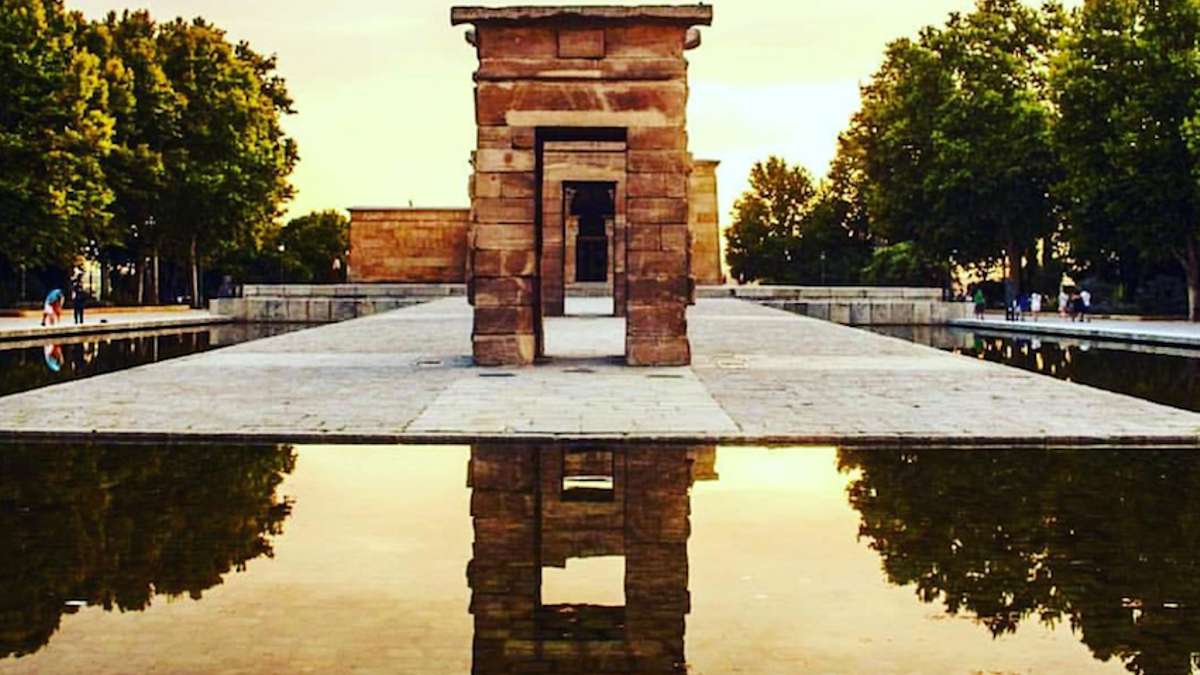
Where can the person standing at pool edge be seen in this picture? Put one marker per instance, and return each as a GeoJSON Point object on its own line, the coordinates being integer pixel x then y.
{"type": "Point", "coordinates": [1085, 305]}
{"type": "Point", "coordinates": [980, 303]}
{"type": "Point", "coordinates": [78, 299]}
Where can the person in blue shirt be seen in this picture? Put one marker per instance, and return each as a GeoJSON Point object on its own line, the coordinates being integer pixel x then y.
{"type": "Point", "coordinates": [52, 310]}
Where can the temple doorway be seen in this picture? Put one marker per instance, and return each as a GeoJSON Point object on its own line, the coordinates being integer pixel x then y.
{"type": "Point", "coordinates": [591, 214]}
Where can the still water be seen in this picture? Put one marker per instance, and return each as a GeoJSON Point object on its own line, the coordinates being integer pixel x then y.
{"type": "Point", "coordinates": [1166, 375]}
{"type": "Point", "coordinates": [585, 559]}
{"type": "Point", "coordinates": [33, 364]}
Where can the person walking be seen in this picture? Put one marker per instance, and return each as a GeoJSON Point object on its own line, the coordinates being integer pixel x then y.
{"type": "Point", "coordinates": [1035, 304]}
{"type": "Point", "coordinates": [1085, 305]}
{"type": "Point", "coordinates": [52, 309]}
{"type": "Point", "coordinates": [78, 299]}
{"type": "Point", "coordinates": [980, 303]}
{"type": "Point", "coordinates": [1064, 303]}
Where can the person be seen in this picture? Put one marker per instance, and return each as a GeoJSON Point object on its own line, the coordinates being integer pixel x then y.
{"type": "Point", "coordinates": [1064, 303]}
{"type": "Point", "coordinates": [78, 299]}
{"type": "Point", "coordinates": [1085, 305]}
{"type": "Point", "coordinates": [1023, 306]}
{"type": "Point", "coordinates": [1035, 304]}
{"type": "Point", "coordinates": [980, 303]}
{"type": "Point", "coordinates": [1010, 302]}
{"type": "Point", "coordinates": [54, 357]}
{"type": "Point", "coordinates": [1073, 306]}
{"type": "Point", "coordinates": [52, 310]}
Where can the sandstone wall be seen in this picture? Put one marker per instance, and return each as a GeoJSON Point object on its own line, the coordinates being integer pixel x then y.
{"type": "Point", "coordinates": [408, 245]}
{"type": "Point", "coordinates": [704, 223]}
{"type": "Point", "coordinates": [581, 74]}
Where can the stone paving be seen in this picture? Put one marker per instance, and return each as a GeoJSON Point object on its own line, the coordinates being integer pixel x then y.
{"type": "Point", "coordinates": [759, 376]}
{"type": "Point", "coordinates": [1174, 333]}
{"type": "Point", "coordinates": [29, 327]}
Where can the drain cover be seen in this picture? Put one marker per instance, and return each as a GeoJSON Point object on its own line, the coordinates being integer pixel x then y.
{"type": "Point", "coordinates": [582, 371]}
{"type": "Point", "coordinates": [497, 375]}
{"type": "Point", "coordinates": [665, 377]}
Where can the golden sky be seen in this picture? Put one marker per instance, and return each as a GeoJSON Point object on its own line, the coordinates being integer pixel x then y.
{"type": "Point", "coordinates": [383, 88]}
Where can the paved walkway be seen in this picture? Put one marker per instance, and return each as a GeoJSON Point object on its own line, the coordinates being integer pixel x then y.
{"type": "Point", "coordinates": [760, 376]}
{"type": "Point", "coordinates": [25, 328]}
{"type": "Point", "coordinates": [1173, 333]}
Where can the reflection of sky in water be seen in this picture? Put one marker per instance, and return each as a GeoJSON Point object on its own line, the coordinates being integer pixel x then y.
{"type": "Point", "coordinates": [796, 560]}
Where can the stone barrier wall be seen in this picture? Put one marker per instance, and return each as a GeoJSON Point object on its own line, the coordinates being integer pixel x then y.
{"type": "Point", "coordinates": [857, 306]}
{"type": "Point", "coordinates": [408, 245]}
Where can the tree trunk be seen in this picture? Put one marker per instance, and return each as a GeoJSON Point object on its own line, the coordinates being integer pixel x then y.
{"type": "Point", "coordinates": [140, 276]}
{"type": "Point", "coordinates": [1014, 267]}
{"type": "Point", "coordinates": [156, 289]}
{"type": "Point", "coordinates": [103, 279]}
{"type": "Point", "coordinates": [195, 265]}
{"type": "Point", "coordinates": [1191, 268]}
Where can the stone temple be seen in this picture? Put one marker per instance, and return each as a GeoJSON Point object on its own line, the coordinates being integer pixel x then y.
{"type": "Point", "coordinates": [582, 177]}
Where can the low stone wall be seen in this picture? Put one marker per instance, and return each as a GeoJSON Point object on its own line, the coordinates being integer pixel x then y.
{"type": "Point", "coordinates": [852, 305]}
{"type": "Point", "coordinates": [849, 306]}
{"type": "Point", "coordinates": [866, 312]}
{"type": "Point", "coordinates": [821, 293]}
{"type": "Point", "coordinates": [326, 304]}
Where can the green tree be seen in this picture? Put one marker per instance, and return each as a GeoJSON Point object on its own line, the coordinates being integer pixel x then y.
{"type": "Point", "coordinates": [55, 130]}
{"type": "Point", "coordinates": [147, 112]}
{"type": "Point", "coordinates": [228, 169]}
{"type": "Point", "coordinates": [761, 242]}
{"type": "Point", "coordinates": [787, 229]}
{"type": "Point", "coordinates": [314, 247]}
{"type": "Point", "coordinates": [1129, 132]}
{"type": "Point", "coordinates": [953, 138]}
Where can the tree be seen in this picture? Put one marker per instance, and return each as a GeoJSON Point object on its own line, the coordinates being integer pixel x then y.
{"type": "Point", "coordinates": [314, 247]}
{"type": "Point", "coordinates": [1129, 133]}
{"type": "Point", "coordinates": [55, 131]}
{"type": "Point", "coordinates": [228, 169]}
{"type": "Point", "coordinates": [147, 111]}
{"type": "Point", "coordinates": [953, 138]}
{"type": "Point", "coordinates": [787, 229]}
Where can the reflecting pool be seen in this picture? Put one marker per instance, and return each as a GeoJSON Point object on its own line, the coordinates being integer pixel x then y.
{"type": "Point", "coordinates": [584, 558]}
{"type": "Point", "coordinates": [1167, 375]}
{"type": "Point", "coordinates": [31, 364]}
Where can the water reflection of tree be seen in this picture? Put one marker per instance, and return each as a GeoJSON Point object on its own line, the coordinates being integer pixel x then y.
{"type": "Point", "coordinates": [1109, 541]}
{"type": "Point", "coordinates": [1163, 378]}
{"type": "Point", "coordinates": [116, 525]}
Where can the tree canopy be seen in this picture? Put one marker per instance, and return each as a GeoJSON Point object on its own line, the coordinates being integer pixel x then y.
{"type": "Point", "coordinates": [125, 139]}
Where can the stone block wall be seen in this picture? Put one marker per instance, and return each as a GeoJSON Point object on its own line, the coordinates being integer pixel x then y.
{"type": "Point", "coordinates": [581, 74]}
{"type": "Point", "coordinates": [704, 223]}
{"type": "Point", "coordinates": [408, 245]}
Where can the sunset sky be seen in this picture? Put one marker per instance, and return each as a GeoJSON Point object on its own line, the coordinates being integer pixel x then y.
{"type": "Point", "coordinates": [384, 102]}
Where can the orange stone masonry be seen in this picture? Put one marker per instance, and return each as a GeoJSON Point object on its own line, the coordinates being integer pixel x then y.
{"type": "Point", "coordinates": [408, 245]}
{"type": "Point", "coordinates": [607, 75]}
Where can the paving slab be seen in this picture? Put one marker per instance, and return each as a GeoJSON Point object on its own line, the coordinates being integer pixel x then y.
{"type": "Point", "coordinates": [759, 376]}
{"type": "Point", "coordinates": [1169, 333]}
{"type": "Point", "coordinates": [97, 323]}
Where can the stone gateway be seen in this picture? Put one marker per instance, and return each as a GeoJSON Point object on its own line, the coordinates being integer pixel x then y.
{"type": "Point", "coordinates": [581, 173]}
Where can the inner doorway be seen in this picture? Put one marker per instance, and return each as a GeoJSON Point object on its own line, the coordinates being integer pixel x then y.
{"type": "Point", "coordinates": [591, 213]}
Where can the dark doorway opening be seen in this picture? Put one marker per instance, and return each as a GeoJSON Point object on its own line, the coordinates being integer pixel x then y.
{"type": "Point", "coordinates": [593, 205]}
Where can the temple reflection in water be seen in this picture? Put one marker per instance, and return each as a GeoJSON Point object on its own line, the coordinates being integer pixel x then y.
{"type": "Point", "coordinates": [597, 559]}
{"type": "Point", "coordinates": [539, 507]}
